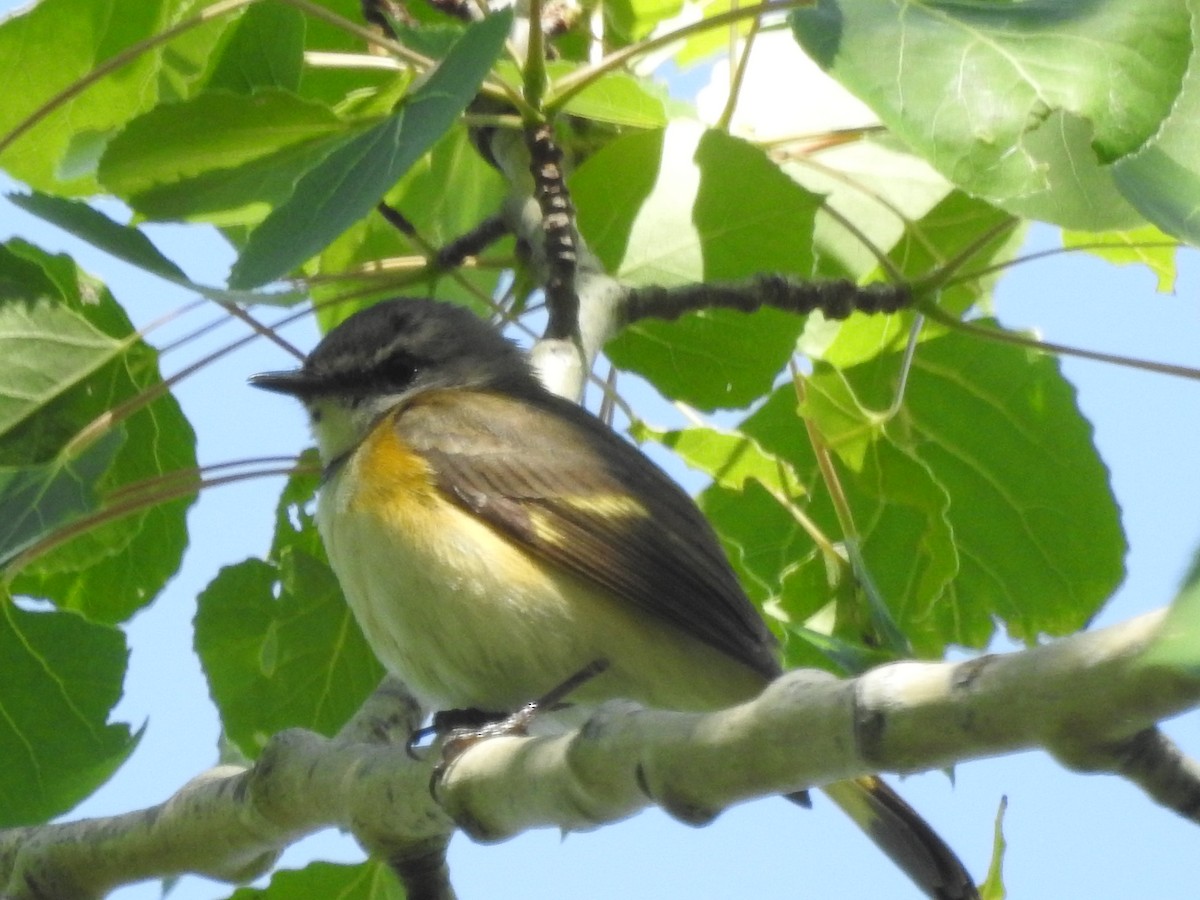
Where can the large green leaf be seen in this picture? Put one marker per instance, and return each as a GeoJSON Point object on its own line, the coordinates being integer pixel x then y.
{"type": "Point", "coordinates": [212, 131]}
{"type": "Point", "coordinates": [60, 679]}
{"type": "Point", "coordinates": [619, 98]}
{"type": "Point", "coordinates": [684, 205]}
{"type": "Point", "coordinates": [873, 191]}
{"type": "Point", "coordinates": [1036, 527]}
{"type": "Point", "coordinates": [981, 500]}
{"type": "Point", "coordinates": [49, 48]}
{"type": "Point", "coordinates": [112, 570]}
{"type": "Point", "coordinates": [279, 645]}
{"type": "Point", "coordinates": [348, 183]}
{"type": "Point", "coordinates": [1025, 104]}
{"type": "Point", "coordinates": [367, 881]}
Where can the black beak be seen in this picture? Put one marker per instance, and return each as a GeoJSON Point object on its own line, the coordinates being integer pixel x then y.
{"type": "Point", "coordinates": [296, 383]}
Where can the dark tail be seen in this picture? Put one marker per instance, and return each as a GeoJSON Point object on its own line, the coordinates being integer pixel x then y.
{"type": "Point", "coordinates": [904, 836]}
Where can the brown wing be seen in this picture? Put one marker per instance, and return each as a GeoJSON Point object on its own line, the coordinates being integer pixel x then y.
{"type": "Point", "coordinates": [562, 483]}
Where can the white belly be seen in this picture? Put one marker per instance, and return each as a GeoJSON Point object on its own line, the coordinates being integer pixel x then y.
{"type": "Point", "coordinates": [465, 618]}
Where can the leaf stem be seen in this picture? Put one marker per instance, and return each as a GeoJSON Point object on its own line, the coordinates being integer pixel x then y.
{"type": "Point", "coordinates": [881, 616]}
{"type": "Point", "coordinates": [738, 77]}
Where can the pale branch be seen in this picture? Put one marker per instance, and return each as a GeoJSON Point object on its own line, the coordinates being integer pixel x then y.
{"type": "Point", "coordinates": [1091, 700]}
{"type": "Point", "coordinates": [231, 822]}
{"type": "Point", "coordinates": [1087, 700]}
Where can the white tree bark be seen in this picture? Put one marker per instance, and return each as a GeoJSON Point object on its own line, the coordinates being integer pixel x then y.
{"type": "Point", "coordinates": [1092, 700]}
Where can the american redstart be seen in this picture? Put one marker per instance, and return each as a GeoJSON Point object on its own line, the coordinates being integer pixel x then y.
{"type": "Point", "coordinates": [494, 539]}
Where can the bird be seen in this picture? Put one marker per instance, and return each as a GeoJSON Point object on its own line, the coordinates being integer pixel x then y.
{"type": "Point", "coordinates": [494, 539]}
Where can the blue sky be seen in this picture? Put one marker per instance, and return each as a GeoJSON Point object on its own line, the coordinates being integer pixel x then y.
{"type": "Point", "coordinates": [1069, 835]}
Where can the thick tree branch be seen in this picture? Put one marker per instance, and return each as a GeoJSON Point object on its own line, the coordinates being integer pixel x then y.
{"type": "Point", "coordinates": [1091, 700]}
{"type": "Point", "coordinates": [231, 823]}
{"type": "Point", "coordinates": [1086, 700]}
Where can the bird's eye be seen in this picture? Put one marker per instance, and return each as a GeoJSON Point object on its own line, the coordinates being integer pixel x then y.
{"type": "Point", "coordinates": [398, 370]}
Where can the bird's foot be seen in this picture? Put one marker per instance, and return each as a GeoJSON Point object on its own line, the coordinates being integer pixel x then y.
{"type": "Point", "coordinates": [463, 728]}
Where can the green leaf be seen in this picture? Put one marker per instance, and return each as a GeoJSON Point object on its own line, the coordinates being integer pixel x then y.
{"type": "Point", "coordinates": [213, 131]}
{"type": "Point", "coordinates": [1175, 645]}
{"type": "Point", "coordinates": [729, 458]}
{"type": "Point", "coordinates": [334, 86]}
{"type": "Point", "coordinates": [632, 20]}
{"type": "Point", "coordinates": [122, 241]}
{"type": "Point", "coordinates": [1024, 104]}
{"type": "Point", "coordinates": [367, 881]}
{"type": "Point", "coordinates": [684, 205]}
{"type": "Point", "coordinates": [1036, 526]}
{"type": "Point", "coordinates": [36, 501]}
{"type": "Point", "coordinates": [615, 97]}
{"type": "Point", "coordinates": [265, 50]}
{"type": "Point", "coordinates": [279, 645]}
{"type": "Point", "coordinates": [61, 678]}
{"type": "Point", "coordinates": [710, 359]}
{"type": "Point", "coordinates": [188, 60]}
{"type": "Point", "coordinates": [993, 886]}
{"type": "Point", "coordinates": [114, 569]}
{"type": "Point", "coordinates": [1162, 179]}
{"type": "Point", "coordinates": [1145, 246]}
{"type": "Point", "coordinates": [242, 195]}
{"type": "Point", "coordinates": [766, 547]}
{"type": "Point", "coordinates": [348, 184]}
{"type": "Point", "coordinates": [898, 510]}
{"type": "Point", "coordinates": [619, 98]}
{"type": "Point", "coordinates": [39, 58]}
{"type": "Point", "coordinates": [47, 348]}
{"type": "Point", "coordinates": [879, 187]}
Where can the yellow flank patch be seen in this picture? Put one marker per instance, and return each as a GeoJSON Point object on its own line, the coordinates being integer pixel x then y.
{"type": "Point", "coordinates": [388, 472]}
